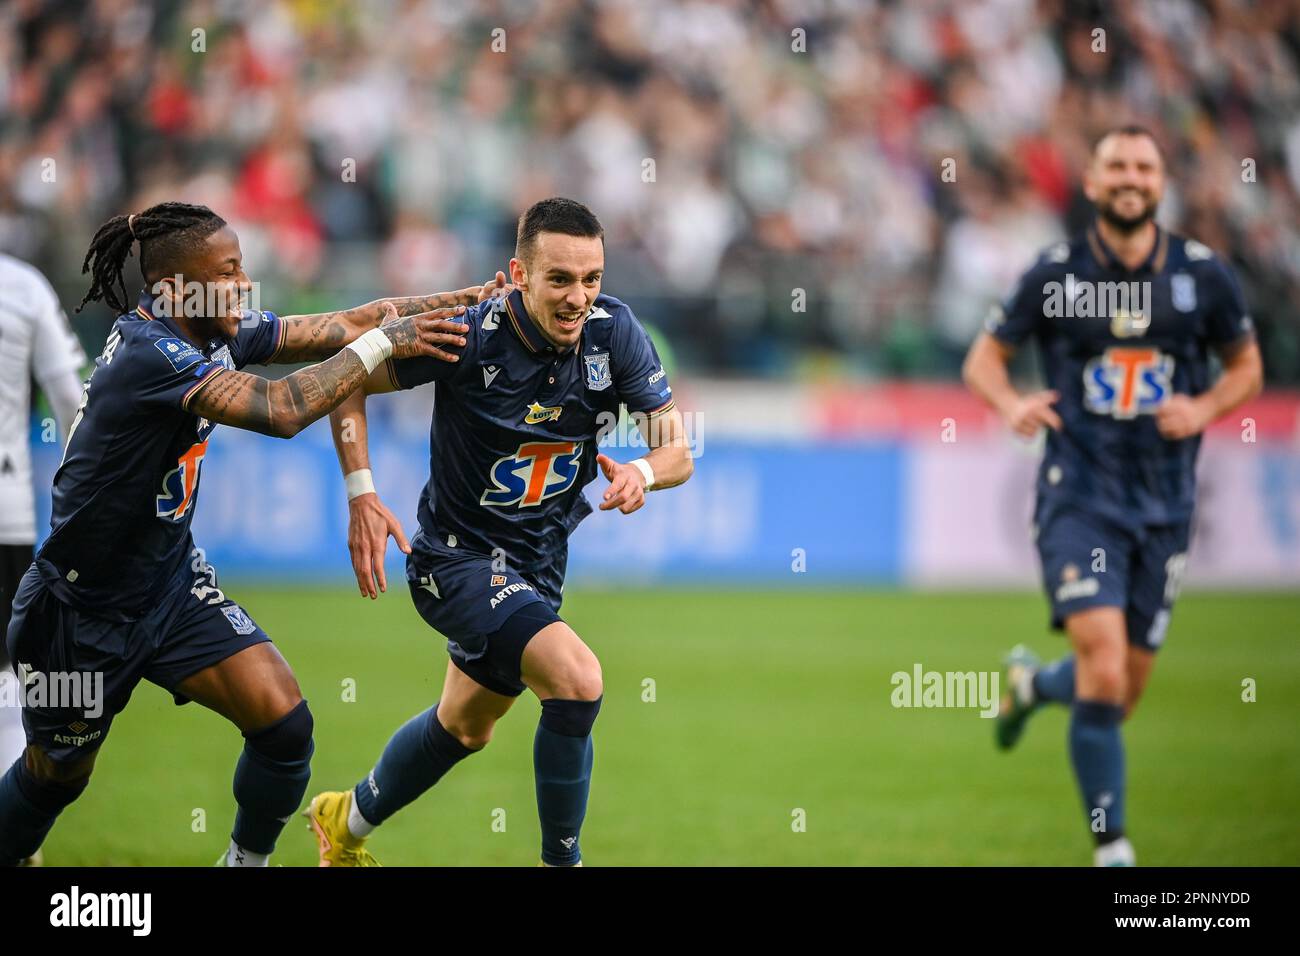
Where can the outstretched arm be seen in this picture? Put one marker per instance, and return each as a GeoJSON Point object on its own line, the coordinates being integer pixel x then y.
{"type": "Point", "coordinates": [309, 337]}
{"type": "Point", "coordinates": [284, 407]}
{"type": "Point", "coordinates": [668, 463]}
{"type": "Point", "coordinates": [369, 520]}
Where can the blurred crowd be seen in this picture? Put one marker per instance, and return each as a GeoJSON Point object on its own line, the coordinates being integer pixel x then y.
{"type": "Point", "coordinates": [771, 174]}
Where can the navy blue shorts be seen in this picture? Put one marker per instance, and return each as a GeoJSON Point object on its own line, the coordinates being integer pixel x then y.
{"type": "Point", "coordinates": [95, 663]}
{"type": "Point", "coordinates": [470, 598]}
{"type": "Point", "coordinates": [1089, 561]}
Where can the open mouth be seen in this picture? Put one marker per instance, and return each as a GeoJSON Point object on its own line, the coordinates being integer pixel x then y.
{"type": "Point", "coordinates": [569, 322]}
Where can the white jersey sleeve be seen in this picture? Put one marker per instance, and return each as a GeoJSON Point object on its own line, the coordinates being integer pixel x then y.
{"type": "Point", "coordinates": [35, 339]}
{"type": "Point", "coordinates": [56, 350]}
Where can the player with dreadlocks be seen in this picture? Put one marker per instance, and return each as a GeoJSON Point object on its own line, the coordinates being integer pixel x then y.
{"type": "Point", "coordinates": [119, 592]}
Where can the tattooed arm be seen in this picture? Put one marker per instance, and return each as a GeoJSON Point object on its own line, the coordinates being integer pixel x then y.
{"type": "Point", "coordinates": [284, 407]}
{"type": "Point", "coordinates": [309, 337]}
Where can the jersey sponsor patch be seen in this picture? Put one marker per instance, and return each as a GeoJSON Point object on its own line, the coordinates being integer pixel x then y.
{"type": "Point", "coordinates": [508, 590]}
{"type": "Point", "coordinates": [179, 352]}
{"type": "Point", "coordinates": [1127, 382]}
{"type": "Point", "coordinates": [535, 472]}
{"type": "Point", "coordinates": [542, 413]}
{"type": "Point", "coordinates": [179, 484]}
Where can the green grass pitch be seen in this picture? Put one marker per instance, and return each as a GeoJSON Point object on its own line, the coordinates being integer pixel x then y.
{"type": "Point", "coordinates": [765, 703]}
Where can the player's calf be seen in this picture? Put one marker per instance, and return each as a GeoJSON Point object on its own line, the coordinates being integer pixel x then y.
{"type": "Point", "coordinates": [270, 781]}
{"type": "Point", "coordinates": [1096, 745]}
{"type": "Point", "coordinates": [33, 792]}
{"type": "Point", "coordinates": [565, 674]}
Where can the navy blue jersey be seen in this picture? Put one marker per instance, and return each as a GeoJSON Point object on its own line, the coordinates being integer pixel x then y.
{"type": "Point", "coordinates": [513, 439]}
{"type": "Point", "coordinates": [125, 493]}
{"type": "Point", "coordinates": [1115, 344]}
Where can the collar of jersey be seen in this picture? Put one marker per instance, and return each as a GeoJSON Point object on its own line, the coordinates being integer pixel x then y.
{"type": "Point", "coordinates": [144, 310]}
{"type": "Point", "coordinates": [1153, 263]}
{"type": "Point", "coordinates": [526, 329]}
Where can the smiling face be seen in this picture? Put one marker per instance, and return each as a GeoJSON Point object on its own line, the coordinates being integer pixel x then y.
{"type": "Point", "coordinates": [1125, 180]}
{"type": "Point", "coordinates": [560, 279]}
{"type": "Point", "coordinates": [213, 284]}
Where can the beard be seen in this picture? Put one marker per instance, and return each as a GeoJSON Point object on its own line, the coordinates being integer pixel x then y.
{"type": "Point", "coordinates": [1126, 224]}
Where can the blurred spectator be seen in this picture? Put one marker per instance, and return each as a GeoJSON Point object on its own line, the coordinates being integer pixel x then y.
{"type": "Point", "coordinates": [737, 152]}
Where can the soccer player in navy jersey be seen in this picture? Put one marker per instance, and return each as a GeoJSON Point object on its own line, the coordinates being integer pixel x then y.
{"type": "Point", "coordinates": [1126, 316]}
{"type": "Point", "coordinates": [118, 592]}
{"type": "Point", "coordinates": [513, 443]}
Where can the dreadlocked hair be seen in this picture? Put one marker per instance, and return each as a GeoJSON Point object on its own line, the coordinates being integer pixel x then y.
{"type": "Point", "coordinates": [166, 232]}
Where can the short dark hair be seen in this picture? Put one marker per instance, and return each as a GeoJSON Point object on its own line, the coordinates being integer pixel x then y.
{"type": "Point", "coordinates": [1131, 129]}
{"type": "Point", "coordinates": [557, 214]}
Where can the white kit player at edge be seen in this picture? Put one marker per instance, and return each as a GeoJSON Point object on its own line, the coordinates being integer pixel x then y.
{"type": "Point", "coordinates": [35, 341]}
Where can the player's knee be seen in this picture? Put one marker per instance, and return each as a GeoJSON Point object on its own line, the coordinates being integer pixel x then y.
{"type": "Point", "coordinates": [572, 718]}
{"type": "Point", "coordinates": [1108, 681]}
{"type": "Point", "coordinates": [471, 734]}
{"type": "Point", "coordinates": [586, 682]}
{"type": "Point", "coordinates": [51, 784]}
{"type": "Point", "coordinates": [1132, 696]}
{"type": "Point", "coordinates": [579, 678]}
{"type": "Point", "coordinates": [289, 739]}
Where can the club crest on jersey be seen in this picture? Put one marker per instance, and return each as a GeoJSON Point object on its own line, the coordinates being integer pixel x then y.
{"type": "Point", "coordinates": [180, 484]}
{"type": "Point", "coordinates": [1127, 382]}
{"type": "Point", "coordinates": [1182, 292]}
{"type": "Point", "coordinates": [542, 413]}
{"type": "Point", "coordinates": [536, 471]}
{"type": "Point", "coordinates": [239, 619]}
{"type": "Point", "coordinates": [598, 377]}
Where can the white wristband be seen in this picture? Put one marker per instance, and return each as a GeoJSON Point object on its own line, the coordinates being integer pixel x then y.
{"type": "Point", "coordinates": [359, 482]}
{"type": "Point", "coordinates": [643, 466]}
{"type": "Point", "coordinates": [372, 348]}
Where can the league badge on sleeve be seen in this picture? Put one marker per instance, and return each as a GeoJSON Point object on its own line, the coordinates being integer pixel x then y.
{"type": "Point", "coordinates": [598, 377]}
{"type": "Point", "coordinates": [179, 352]}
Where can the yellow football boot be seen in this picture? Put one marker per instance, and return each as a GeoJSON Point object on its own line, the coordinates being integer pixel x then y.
{"type": "Point", "coordinates": [328, 813]}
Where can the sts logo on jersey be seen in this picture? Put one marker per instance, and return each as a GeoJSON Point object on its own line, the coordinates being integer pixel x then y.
{"type": "Point", "coordinates": [179, 484]}
{"type": "Point", "coordinates": [1125, 383]}
{"type": "Point", "coordinates": [537, 471]}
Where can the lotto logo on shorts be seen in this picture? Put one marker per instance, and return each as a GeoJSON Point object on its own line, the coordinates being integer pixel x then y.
{"type": "Point", "coordinates": [1125, 383]}
{"type": "Point", "coordinates": [179, 484]}
{"type": "Point", "coordinates": [535, 472]}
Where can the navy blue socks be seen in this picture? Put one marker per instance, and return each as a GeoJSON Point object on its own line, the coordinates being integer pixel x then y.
{"type": "Point", "coordinates": [1097, 752]}
{"type": "Point", "coordinates": [562, 759]}
{"type": "Point", "coordinates": [416, 758]}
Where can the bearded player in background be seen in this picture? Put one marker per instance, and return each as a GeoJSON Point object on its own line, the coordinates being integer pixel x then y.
{"type": "Point", "coordinates": [1130, 393]}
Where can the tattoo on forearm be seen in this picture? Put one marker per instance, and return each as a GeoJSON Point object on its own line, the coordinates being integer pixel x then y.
{"type": "Point", "coordinates": [418, 304]}
{"type": "Point", "coordinates": [311, 337]}
{"type": "Point", "coordinates": [314, 336]}
{"type": "Point", "coordinates": [280, 408]}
